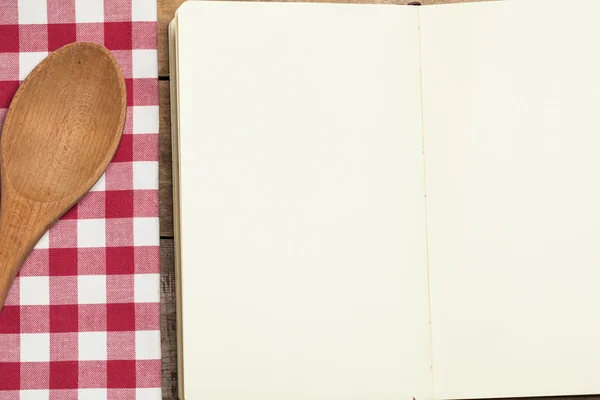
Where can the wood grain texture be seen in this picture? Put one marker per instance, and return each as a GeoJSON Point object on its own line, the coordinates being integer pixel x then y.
{"type": "Point", "coordinates": [61, 131]}
{"type": "Point", "coordinates": [168, 302]}
{"type": "Point", "coordinates": [168, 323]}
{"type": "Point", "coordinates": [165, 185]}
{"type": "Point", "coordinates": [166, 12]}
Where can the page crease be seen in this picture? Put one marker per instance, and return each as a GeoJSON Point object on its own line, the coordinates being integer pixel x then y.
{"type": "Point", "coordinates": [425, 200]}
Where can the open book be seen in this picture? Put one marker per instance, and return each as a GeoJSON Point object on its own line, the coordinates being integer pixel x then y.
{"type": "Point", "coordinates": [379, 202]}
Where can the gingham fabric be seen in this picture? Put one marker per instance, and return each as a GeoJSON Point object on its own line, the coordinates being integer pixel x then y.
{"type": "Point", "coordinates": [82, 318]}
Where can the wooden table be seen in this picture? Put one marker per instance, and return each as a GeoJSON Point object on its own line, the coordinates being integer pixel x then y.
{"type": "Point", "coordinates": [166, 10]}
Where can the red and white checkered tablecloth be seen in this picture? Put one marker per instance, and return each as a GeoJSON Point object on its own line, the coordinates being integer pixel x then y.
{"type": "Point", "coordinates": [82, 318]}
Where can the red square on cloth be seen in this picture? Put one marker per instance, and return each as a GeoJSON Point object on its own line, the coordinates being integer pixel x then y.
{"type": "Point", "coordinates": [121, 374]}
{"type": "Point", "coordinates": [10, 38]}
{"type": "Point", "coordinates": [64, 375]}
{"type": "Point", "coordinates": [117, 35]}
{"type": "Point", "coordinates": [125, 149]}
{"type": "Point", "coordinates": [120, 317]}
{"type": "Point", "coordinates": [11, 375]}
{"type": "Point", "coordinates": [129, 90]}
{"type": "Point", "coordinates": [60, 35]}
{"type": "Point", "coordinates": [72, 213]}
{"type": "Point", "coordinates": [7, 91]}
{"type": "Point", "coordinates": [119, 203]}
{"type": "Point", "coordinates": [64, 318]}
{"type": "Point", "coordinates": [120, 260]}
{"type": "Point", "coordinates": [63, 261]}
{"type": "Point", "coordinates": [10, 319]}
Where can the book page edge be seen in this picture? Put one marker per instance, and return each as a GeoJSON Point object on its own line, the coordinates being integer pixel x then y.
{"type": "Point", "coordinates": [176, 198]}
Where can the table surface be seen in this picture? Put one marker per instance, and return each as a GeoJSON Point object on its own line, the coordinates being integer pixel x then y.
{"type": "Point", "coordinates": [166, 10]}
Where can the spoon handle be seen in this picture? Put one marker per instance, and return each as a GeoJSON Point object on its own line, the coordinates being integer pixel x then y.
{"type": "Point", "coordinates": [20, 230]}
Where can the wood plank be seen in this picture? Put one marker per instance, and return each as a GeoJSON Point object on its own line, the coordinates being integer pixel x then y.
{"type": "Point", "coordinates": [166, 12]}
{"type": "Point", "coordinates": [168, 325]}
{"type": "Point", "coordinates": [165, 185]}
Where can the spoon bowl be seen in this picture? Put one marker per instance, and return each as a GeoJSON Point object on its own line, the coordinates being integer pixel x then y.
{"type": "Point", "coordinates": [61, 131]}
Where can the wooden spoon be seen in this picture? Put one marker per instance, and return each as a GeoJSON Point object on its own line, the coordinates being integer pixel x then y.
{"type": "Point", "coordinates": [61, 131]}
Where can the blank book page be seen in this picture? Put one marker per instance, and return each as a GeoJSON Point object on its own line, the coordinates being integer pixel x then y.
{"type": "Point", "coordinates": [511, 96]}
{"type": "Point", "coordinates": [302, 202]}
